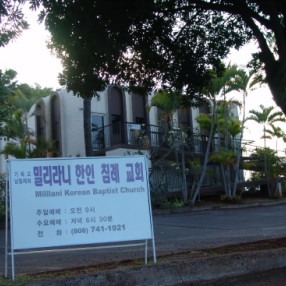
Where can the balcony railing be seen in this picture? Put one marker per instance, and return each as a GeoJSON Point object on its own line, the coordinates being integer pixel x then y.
{"type": "Point", "coordinates": [147, 136]}
{"type": "Point", "coordinates": [128, 134]}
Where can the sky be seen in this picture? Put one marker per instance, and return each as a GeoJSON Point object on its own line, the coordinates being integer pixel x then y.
{"type": "Point", "coordinates": [29, 56]}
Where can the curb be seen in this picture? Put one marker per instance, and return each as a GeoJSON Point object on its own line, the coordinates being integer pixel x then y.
{"type": "Point", "coordinates": [212, 208]}
{"type": "Point", "coordinates": [178, 272]}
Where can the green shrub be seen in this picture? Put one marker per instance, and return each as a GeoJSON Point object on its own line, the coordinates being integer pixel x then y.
{"type": "Point", "coordinates": [173, 203]}
{"type": "Point", "coordinates": [231, 199]}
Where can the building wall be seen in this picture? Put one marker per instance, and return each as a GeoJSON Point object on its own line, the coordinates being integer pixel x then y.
{"type": "Point", "coordinates": [71, 122]}
{"type": "Point", "coordinates": [71, 118]}
{"type": "Point", "coordinates": [3, 141]}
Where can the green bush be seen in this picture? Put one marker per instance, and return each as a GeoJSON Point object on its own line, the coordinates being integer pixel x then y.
{"type": "Point", "coordinates": [173, 203]}
{"type": "Point", "coordinates": [231, 199]}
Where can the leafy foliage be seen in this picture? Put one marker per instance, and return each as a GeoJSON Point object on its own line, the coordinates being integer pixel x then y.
{"type": "Point", "coordinates": [224, 157]}
{"type": "Point", "coordinates": [169, 43]}
{"type": "Point", "coordinates": [18, 100]}
{"type": "Point", "coordinates": [168, 103]}
{"type": "Point", "coordinates": [12, 21]}
{"type": "Point", "coordinates": [34, 93]}
{"type": "Point", "coordinates": [274, 163]}
{"type": "Point", "coordinates": [266, 116]}
{"type": "Point", "coordinates": [7, 88]}
{"type": "Point", "coordinates": [141, 43]}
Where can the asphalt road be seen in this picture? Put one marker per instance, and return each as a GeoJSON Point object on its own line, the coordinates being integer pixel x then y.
{"type": "Point", "coordinates": [173, 232]}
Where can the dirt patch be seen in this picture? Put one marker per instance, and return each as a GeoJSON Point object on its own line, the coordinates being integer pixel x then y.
{"type": "Point", "coordinates": [188, 254]}
{"type": "Point", "coordinates": [250, 246]}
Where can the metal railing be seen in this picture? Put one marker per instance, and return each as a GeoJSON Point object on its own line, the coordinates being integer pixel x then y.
{"type": "Point", "coordinates": [141, 135]}
{"type": "Point", "coordinates": [147, 136]}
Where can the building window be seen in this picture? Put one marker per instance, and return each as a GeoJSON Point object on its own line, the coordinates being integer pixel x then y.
{"type": "Point", "coordinates": [40, 121]}
{"type": "Point", "coordinates": [116, 124]}
{"type": "Point", "coordinates": [97, 131]}
{"type": "Point", "coordinates": [139, 109]}
{"type": "Point", "coordinates": [117, 116]}
{"type": "Point", "coordinates": [205, 107]}
{"type": "Point", "coordinates": [55, 123]}
{"type": "Point", "coordinates": [185, 119]}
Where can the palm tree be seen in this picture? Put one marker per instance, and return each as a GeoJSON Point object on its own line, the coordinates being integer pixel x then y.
{"type": "Point", "coordinates": [242, 82]}
{"type": "Point", "coordinates": [266, 116]}
{"type": "Point", "coordinates": [232, 79]}
{"type": "Point", "coordinates": [21, 103]}
{"type": "Point", "coordinates": [16, 123]}
{"type": "Point", "coordinates": [169, 102]}
{"type": "Point", "coordinates": [212, 91]}
{"type": "Point", "coordinates": [19, 135]}
{"type": "Point", "coordinates": [277, 132]}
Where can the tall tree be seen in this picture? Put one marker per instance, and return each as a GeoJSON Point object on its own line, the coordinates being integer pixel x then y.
{"type": "Point", "coordinates": [34, 92]}
{"type": "Point", "coordinates": [14, 95]}
{"type": "Point", "coordinates": [242, 82]}
{"type": "Point", "coordinates": [70, 23]}
{"type": "Point", "coordinates": [169, 103]}
{"type": "Point", "coordinates": [7, 83]}
{"type": "Point", "coordinates": [8, 86]}
{"type": "Point", "coordinates": [169, 42]}
{"type": "Point", "coordinates": [220, 121]}
{"type": "Point", "coordinates": [266, 116]}
{"type": "Point", "coordinates": [12, 21]}
{"type": "Point", "coordinates": [276, 131]}
{"type": "Point", "coordinates": [21, 140]}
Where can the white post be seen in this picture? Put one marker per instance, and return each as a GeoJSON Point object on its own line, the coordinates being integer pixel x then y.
{"type": "Point", "coordinates": [6, 226]}
{"type": "Point", "coordinates": [279, 189]}
{"type": "Point", "coordinates": [146, 251]}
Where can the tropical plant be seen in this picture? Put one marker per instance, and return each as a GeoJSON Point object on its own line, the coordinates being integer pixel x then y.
{"type": "Point", "coordinates": [194, 171]}
{"type": "Point", "coordinates": [168, 102]}
{"type": "Point", "coordinates": [21, 140]}
{"type": "Point", "coordinates": [7, 87]}
{"type": "Point", "coordinates": [275, 167]}
{"type": "Point", "coordinates": [277, 132]}
{"type": "Point", "coordinates": [36, 92]}
{"type": "Point", "coordinates": [243, 82]}
{"type": "Point", "coordinates": [226, 154]}
{"type": "Point", "coordinates": [220, 120]}
{"type": "Point", "coordinates": [208, 122]}
{"type": "Point", "coordinates": [266, 116]}
{"type": "Point", "coordinates": [29, 148]}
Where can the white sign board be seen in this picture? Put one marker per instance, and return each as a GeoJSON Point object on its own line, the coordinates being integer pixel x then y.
{"type": "Point", "coordinates": [135, 126]}
{"type": "Point", "coordinates": [64, 201]}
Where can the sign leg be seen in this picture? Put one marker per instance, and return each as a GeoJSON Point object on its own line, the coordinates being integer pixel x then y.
{"type": "Point", "coordinates": [146, 251]}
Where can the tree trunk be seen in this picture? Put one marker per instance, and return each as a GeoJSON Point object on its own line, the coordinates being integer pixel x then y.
{"type": "Point", "coordinates": [87, 126]}
{"type": "Point", "coordinates": [276, 79]}
{"type": "Point", "coordinates": [239, 149]}
{"type": "Point", "coordinates": [184, 179]}
{"type": "Point", "coordinates": [223, 180]}
{"type": "Point", "coordinates": [206, 158]}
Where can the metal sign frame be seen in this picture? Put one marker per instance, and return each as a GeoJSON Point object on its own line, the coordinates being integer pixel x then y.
{"type": "Point", "coordinates": [43, 195]}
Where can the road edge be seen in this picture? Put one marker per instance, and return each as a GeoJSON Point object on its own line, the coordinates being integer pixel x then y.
{"type": "Point", "coordinates": [178, 272]}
